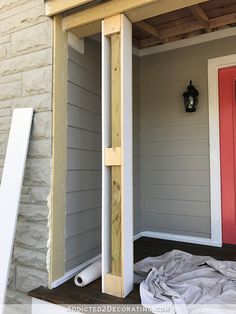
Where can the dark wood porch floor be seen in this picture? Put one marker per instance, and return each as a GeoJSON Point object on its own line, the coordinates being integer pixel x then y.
{"type": "Point", "coordinates": [68, 293]}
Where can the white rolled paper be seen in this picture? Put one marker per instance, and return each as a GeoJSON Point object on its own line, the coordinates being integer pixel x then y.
{"type": "Point", "coordinates": [89, 274]}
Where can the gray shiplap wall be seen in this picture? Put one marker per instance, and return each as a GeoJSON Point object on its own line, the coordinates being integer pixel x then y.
{"type": "Point", "coordinates": [83, 208]}
{"type": "Point", "coordinates": [175, 191]}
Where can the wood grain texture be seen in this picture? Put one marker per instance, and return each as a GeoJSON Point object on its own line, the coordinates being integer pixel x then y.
{"type": "Point", "coordinates": [200, 14]}
{"type": "Point", "coordinates": [102, 11]}
{"type": "Point", "coordinates": [59, 154]}
{"type": "Point", "coordinates": [112, 25]}
{"type": "Point", "coordinates": [116, 142]}
{"type": "Point", "coordinates": [136, 10]}
{"type": "Point", "coordinates": [113, 285]}
{"type": "Point", "coordinates": [113, 156]}
{"type": "Point", "coordinates": [68, 293]}
{"type": "Point", "coordinates": [56, 6]}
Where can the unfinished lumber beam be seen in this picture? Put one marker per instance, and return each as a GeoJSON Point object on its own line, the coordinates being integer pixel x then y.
{"type": "Point", "coordinates": [117, 208]}
{"type": "Point", "coordinates": [112, 25]}
{"type": "Point", "coordinates": [135, 42]}
{"type": "Point", "coordinates": [148, 29]}
{"type": "Point", "coordinates": [223, 20]}
{"type": "Point", "coordinates": [188, 27]}
{"type": "Point", "coordinates": [116, 142]}
{"type": "Point", "coordinates": [200, 14]}
{"type": "Point", "coordinates": [102, 11]}
{"type": "Point", "coordinates": [87, 30]}
{"type": "Point", "coordinates": [59, 153]}
{"type": "Point", "coordinates": [57, 6]}
{"type": "Point", "coordinates": [159, 7]}
{"type": "Point", "coordinates": [135, 10]}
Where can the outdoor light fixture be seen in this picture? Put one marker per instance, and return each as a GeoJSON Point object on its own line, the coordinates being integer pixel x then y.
{"type": "Point", "coordinates": [191, 98]}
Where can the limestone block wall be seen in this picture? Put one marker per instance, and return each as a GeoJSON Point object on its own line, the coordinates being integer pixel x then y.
{"type": "Point", "coordinates": [26, 81]}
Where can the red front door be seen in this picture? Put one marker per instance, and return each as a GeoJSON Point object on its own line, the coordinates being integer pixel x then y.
{"type": "Point", "coordinates": [227, 95]}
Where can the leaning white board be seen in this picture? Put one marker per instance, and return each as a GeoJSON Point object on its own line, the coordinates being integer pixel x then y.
{"type": "Point", "coordinates": [10, 190]}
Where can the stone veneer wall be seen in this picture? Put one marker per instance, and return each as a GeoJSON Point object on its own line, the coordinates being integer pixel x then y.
{"type": "Point", "coordinates": [26, 81]}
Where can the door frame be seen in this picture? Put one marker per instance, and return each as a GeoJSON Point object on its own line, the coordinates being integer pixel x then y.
{"type": "Point", "coordinates": [214, 144]}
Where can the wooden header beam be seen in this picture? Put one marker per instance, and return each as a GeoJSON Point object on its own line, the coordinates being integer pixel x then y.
{"type": "Point", "coordinates": [59, 152]}
{"type": "Point", "coordinates": [57, 6]}
{"type": "Point", "coordinates": [135, 10]}
{"type": "Point", "coordinates": [102, 11]}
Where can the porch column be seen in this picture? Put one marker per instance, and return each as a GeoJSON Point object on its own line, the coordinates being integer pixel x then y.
{"type": "Point", "coordinates": [117, 186]}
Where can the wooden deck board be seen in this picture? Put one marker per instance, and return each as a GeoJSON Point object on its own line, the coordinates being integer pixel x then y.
{"type": "Point", "coordinates": [68, 293]}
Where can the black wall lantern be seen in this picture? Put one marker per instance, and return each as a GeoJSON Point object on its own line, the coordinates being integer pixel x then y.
{"type": "Point", "coordinates": [191, 98]}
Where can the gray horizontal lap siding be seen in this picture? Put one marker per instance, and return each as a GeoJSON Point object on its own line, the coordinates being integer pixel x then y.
{"type": "Point", "coordinates": [175, 169]}
{"type": "Point", "coordinates": [83, 208]}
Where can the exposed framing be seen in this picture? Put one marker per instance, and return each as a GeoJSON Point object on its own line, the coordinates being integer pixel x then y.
{"type": "Point", "coordinates": [57, 6]}
{"type": "Point", "coordinates": [186, 42]}
{"type": "Point", "coordinates": [214, 137]}
{"type": "Point", "coordinates": [117, 216]}
{"type": "Point", "coordinates": [59, 153]}
{"type": "Point", "coordinates": [135, 10]}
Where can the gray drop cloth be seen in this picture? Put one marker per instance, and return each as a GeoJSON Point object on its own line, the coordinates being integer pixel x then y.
{"type": "Point", "coordinates": [184, 282]}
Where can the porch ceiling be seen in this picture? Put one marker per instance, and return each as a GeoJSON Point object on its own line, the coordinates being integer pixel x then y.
{"type": "Point", "coordinates": [184, 23]}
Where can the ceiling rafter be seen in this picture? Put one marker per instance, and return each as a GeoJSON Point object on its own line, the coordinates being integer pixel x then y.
{"type": "Point", "coordinates": [148, 29]}
{"type": "Point", "coordinates": [200, 14]}
{"type": "Point", "coordinates": [186, 28]}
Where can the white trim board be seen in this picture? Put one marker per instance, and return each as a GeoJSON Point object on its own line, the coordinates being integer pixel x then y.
{"type": "Point", "coordinates": [10, 190]}
{"type": "Point", "coordinates": [74, 271]}
{"type": "Point", "coordinates": [176, 237]}
{"type": "Point", "coordinates": [214, 138]}
{"type": "Point", "coordinates": [126, 156]}
{"type": "Point", "coordinates": [186, 42]}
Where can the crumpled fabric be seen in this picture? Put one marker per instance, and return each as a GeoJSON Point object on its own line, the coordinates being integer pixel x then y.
{"type": "Point", "coordinates": [182, 283]}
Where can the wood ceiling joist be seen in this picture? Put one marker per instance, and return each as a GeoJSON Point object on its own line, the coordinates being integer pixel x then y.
{"type": "Point", "coordinates": [136, 42]}
{"type": "Point", "coordinates": [211, 5]}
{"type": "Point", "coordinates": [158, 8]}
{"type": "Point", "coordinates": [199, 13]}
{"type": "Point", "coordinates": [148, 29]}
{"type": "Point", "coordinates": [176, 23]}
{"type": "Point", "coordinates": [170, 17]}
{"type": "Point", "coordinates": [223, 20]}
{"type": "Point", "coordinates": [135, 10]}
{"type": "Point", "coordinates": [57, 6]}
{"type": "Point", "coordinates": [186, 28]}
{"type": "Point", "coordinates": [219, 11]}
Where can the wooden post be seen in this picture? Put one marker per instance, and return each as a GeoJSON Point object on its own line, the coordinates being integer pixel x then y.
{"type": "Point", "coordinates": [117, 150]}
{"type": "Point", "coordinates": [59, 153]}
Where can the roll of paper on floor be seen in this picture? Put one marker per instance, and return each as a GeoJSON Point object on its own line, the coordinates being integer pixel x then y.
{"type": "Point", "coordinates": [89, 274]}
